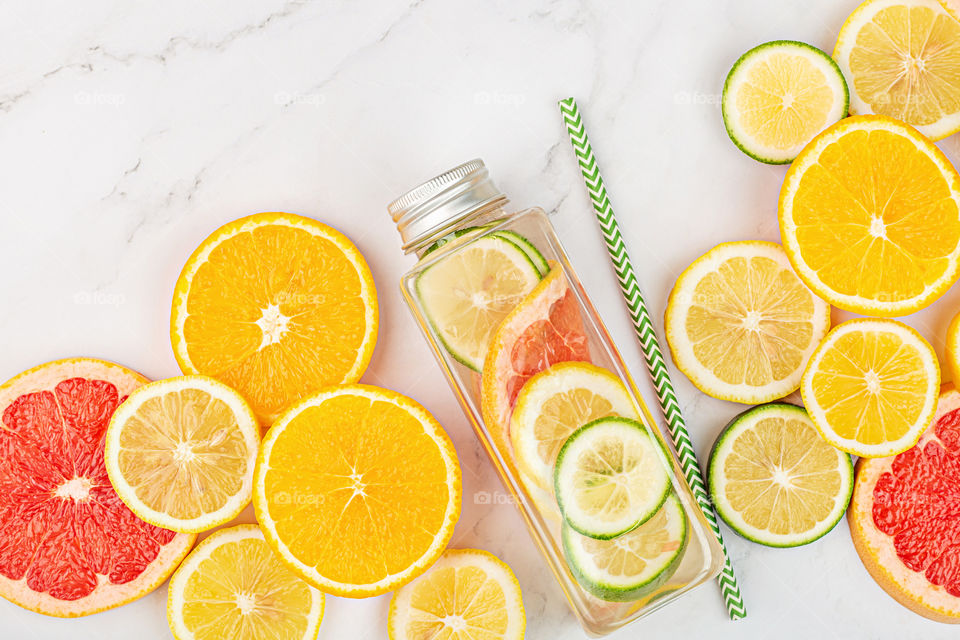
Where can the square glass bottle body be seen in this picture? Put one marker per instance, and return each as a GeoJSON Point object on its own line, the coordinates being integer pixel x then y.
{"type": "Point", "coordinates": [701, 558]}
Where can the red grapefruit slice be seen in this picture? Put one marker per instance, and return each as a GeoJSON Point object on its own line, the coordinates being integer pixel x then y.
{"type": "Point", "coordinates": [905, 517]}
{"type": "Point", "coordinates": [68, 545]}
{"type": "Point", "coordinates": [544, 329]}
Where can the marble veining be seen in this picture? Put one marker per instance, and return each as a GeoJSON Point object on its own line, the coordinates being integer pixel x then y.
{"type": "Point", "coordinates": [131, 130]}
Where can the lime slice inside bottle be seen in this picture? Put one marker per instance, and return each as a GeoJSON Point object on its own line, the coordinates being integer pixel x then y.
{"type": "Point", "coordinates": [610, 477]}
{"type": "Point", "coordinates": [775, 480]}
{"type": "Point", "coordinates": [466, 294]}
{"type": "Point", "coordinates": [527, 247]}
{"type": "Point", "coordinates": [635, 564]}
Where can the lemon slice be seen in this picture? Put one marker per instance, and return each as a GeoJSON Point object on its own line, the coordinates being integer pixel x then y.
{"type": "Point", "coordinates": [775, 481]}
{"type": "Point", "coordinates": [467, 293]}
{"type": "Point", "coordinates": [901, 58]}
{"type": "Point", "coordinates": [871, 387]}
{"type": "Point", "coordinates": [635, 564]}
{"type": "Point", "coordinates": [555, 403]}
{"type": "Point", "coordinates": [233, 586]}
{"type": "Point", "coordinates": [741, 324]}
{"type": "Point", "coordinates": [181, 453]}
{"type": "Point", "coordinates": [610, 477]}
{"type": "Point", "coordinates": [468, 593]}
{"type": "Point", "coordinates": [778, 96]}
{"type": "Point", "coordinates": [952, 7]}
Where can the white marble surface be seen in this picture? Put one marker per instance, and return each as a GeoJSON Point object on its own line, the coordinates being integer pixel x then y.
{"type": "Point", "coordinates": [130, 130]}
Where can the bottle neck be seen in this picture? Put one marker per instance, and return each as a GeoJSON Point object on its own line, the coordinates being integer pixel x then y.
{"type": "Point", "coordinates": [443, 205]}
{"type": "Point", "coordinates": [473, 218]}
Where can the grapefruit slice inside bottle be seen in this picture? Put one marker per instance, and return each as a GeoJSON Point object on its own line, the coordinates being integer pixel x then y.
{"type": "Point", "coordinates": [68, 545]}
{"type": "Point", "coordinates": [543, 329]}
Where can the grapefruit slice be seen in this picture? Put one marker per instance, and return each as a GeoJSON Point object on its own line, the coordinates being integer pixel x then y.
{"type": "Point", "coordinates": [68, 546]}
{"type": "Point", "coordinates": [543, 329]}
{"type": "Point", "coordinates": [905, 517]}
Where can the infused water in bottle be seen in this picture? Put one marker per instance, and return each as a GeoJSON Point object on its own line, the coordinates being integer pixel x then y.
{"type": "Point", "coordinates": [549, 397]}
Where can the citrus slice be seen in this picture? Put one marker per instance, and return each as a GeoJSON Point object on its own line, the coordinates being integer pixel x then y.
{"type": "Point", "coordinates": [610, 477]}
{"type": "Point", "coordinates": [905, 518]}
{"type": "Point", "coordinates": [870, 217]}
{"type": "Point", "coordinates": [180, 453]}
{"type": "Point", "coordinates": [952, 348]}
{"type": "Point", "coordinates": [528, 248]}
{"type": "Point", "coordinates": [467, 593]}
{"type": "Point", "coordinates": [741, 325]}
{"type": "Point", "coordinates": [902, 59]}
{"type": "Point", "coordinates": [276, 306]}
{"type": "Point", "coordinates": [635, 564]}
{"type": "Point", "coordinates": [69, 546]}
{"type": "Point", "coordinates": [778, 96]}
{"type": "Point", "coordinates": [233, 586]}
{"type": "Point", "coordinates": [555, 403]}
{"type": "Point", "coordinates": [871, 387]}
{"type": "Point", "coordinates": [379, 509]}
{"type": "Point", "coordinates": [952, 7]}
{"type": "Point", "coordinates": [467, 293]}
{"type": "Point", "coordinates": [775, 481]}
{"type": "Point", "coordinates": [543, 329]}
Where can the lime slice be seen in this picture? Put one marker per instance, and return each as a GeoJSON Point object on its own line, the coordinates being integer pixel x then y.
{"type": "Point", "coordinates": [635, 564]}
{"type": "Point", "coordinates": [535, 256]}
{"type": "Point", "coordinates": [470, 291]}
{"type": "Point", "coordinates": [775, 481]}
{"type": "Point", "coordinates": [610, 477]}
{"type": "Point", "coordinates": [555, 403]}
{"type": "Point", "coordinates": [456, 235]}
{"type": "Point", "coordinates": [779, 96]}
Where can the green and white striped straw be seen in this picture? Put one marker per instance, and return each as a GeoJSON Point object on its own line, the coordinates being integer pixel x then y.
{"type": "Point", "coordinates": [648, 341]}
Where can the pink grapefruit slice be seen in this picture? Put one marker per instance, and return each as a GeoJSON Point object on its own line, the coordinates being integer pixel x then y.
{"type": "Point", "coordinates": [68, 546]}
{"type": "Point", "coordinates": [543, 329]}
{"type": "Point", "coordinates": [905, 517]}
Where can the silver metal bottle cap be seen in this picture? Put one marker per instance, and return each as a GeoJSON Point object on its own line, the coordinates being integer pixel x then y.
{"type": "Point", "coordinates": [430, 208]}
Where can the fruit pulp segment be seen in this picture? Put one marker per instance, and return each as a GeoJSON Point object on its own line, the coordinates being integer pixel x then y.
{"type": "Point", "coordinates": [62, 526]}
{"type": "Point", "coordinates": [904, 64]}
{"type": "Point", "coordinates": [243, 591]}
{"type": "Point", "coordinates": [917, 502]}
{"type": "Point", "coordinates": [363, 490]}
{"type": "Point", "coordinates": [178, 456]}
{"type": "Point", "coordinates": [854, 208]}
{"type": "Point", "coordinates": [559, 337]}
{"type": "Point", "coordinates": [630, 555]}
{"type": "Point", "coordinates": [870, 385]}
{"type": "Point", "coordinates": [784, 99]}
{"type": "Point", "coordinates": [451, 599]}
{"type": "Point", "coordinates": [777, 488]}
{"type": "Point", "coordinates": [752, 335]}
{"type": "Point", "coordinates": [276, 312]}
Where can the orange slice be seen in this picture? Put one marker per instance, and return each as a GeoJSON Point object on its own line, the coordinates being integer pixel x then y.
{"type": "Point", "coordinates": [902, 59]}
{"type": "Point", "coordinates": [276, 306]}
{"type": "Point", "coordinates": [545, 328]}
{"type": "Point", "coordinates": [357, 489]}
{"type": "Point", "coordinates": [871, 387]}
{"type": "Point", "coordinates": [870, 217]}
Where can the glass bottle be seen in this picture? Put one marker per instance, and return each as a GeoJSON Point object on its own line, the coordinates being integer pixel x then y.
{"type": "Point", "coordinates": [446, 222]}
